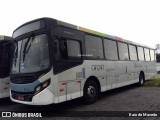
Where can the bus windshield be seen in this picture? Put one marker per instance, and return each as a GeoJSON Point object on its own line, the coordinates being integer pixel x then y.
{"type": "Point", "coordinates": [31, 55]}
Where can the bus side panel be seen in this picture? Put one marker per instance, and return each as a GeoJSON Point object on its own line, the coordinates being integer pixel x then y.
{"type": "Point", "coordinates": [4, 90]}
{"type": "Point", "coordinates": [110, 74]}
{"type": "Point", "coordinates": [73, 89]}
{"type": "Point", "coordinates": [150, 69]}
{"type": "Point", "coordinates": [131, 73]}
{"type": "Point", "coordinates": [96, 68]}
{"type": "Point", "coordinates": [121, 73]}
{"type": "Point", "coordinates": [137, 71]}
{"type": "Point", "coordinates": [5, 85]}
{"type": "Point", "coordinates": [62, 91]}
{"type": "Point", "coordinates": [140, 66]}
{"type": "Point", "coordinates": [69, 83]}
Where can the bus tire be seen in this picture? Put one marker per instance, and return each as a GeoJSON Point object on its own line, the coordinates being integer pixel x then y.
{"type": "Point", "coordinates": [90, 92]}
{"type": "Point", "coordinates": [141, 79]}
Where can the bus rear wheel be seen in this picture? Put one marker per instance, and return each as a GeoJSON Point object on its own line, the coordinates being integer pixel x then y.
{"type": "Point", "coordinates": [90, 92]}
{"type": "Point", "coordinates": [141, 79]}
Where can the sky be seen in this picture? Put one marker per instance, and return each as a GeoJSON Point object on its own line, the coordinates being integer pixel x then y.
{"type": "Point", "coordinates": [134, 20]}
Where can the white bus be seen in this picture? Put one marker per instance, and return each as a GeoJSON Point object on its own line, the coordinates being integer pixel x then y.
{"type": "Point", "coordinates": [55, 62]}
{"type": "Point", "coordinates": [5, 63]}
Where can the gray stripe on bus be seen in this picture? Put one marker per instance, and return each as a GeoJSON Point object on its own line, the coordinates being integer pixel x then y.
{"type": "Point", "coordinates": [25, 87]}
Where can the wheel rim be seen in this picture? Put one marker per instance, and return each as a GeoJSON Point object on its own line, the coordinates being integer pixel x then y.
{"type": "Point", "coordinates": [91, 91]}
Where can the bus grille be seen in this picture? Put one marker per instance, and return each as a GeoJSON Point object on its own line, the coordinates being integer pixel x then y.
{"type": "Point", "coordinates": [22, 80]}
{"type": "Point", "coordinates": [27, 96]}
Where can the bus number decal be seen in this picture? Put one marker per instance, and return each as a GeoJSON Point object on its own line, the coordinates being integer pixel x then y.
{"type": "Point", "coordinates": [97, 67]}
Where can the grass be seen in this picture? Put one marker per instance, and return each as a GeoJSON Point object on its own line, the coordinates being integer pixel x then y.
{"type": "Point", "coordinates": [154, 81]}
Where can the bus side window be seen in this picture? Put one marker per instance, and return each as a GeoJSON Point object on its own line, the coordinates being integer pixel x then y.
{"type": "Point", "coordinates": [73, 50]}
{"type": "Point", "coordinates": [67, 50]}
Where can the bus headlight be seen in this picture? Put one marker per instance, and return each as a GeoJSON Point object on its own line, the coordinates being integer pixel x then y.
{"type": "Point", "coordinates": [42, 86]}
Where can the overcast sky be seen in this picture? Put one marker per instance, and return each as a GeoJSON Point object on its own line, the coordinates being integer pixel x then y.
{"type": "Point", "coordinates": [135, 20]}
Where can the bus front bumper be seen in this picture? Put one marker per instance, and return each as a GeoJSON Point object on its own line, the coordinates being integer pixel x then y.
{"type": "Point", "coordinates": [45, 97]}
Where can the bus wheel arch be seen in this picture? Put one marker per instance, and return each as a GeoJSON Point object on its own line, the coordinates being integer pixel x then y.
{"type": "Point", "coordinates": [141, 78]}
{"type": "Point", "coordinates": [91, 90]}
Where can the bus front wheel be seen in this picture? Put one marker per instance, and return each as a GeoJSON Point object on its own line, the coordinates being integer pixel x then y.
{"type": "Point", "coordinates": [90, 92]}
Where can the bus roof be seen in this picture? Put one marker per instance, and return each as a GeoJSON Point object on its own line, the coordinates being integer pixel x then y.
{"type": "Point", "coordinates": [88, 30]}
{"type": "Point", "coordinates": [98, 33]}
{"type": "Point", "coordinates": [135, 43]}
{"type": "Point", "coordinates": [65, 24]}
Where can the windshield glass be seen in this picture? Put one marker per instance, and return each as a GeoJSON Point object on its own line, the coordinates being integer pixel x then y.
{"type": "Point", "coordinates": [31, 55]}
{"type": "Point", "coordinates": [16, 57]}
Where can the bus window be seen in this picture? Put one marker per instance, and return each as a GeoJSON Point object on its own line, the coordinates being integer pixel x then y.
{"type": "Point", "coordinates": [73, 48]}
{"type": "Point", "coordinates": [123, 51]}
{"type": "Point", "coordinates": [16, 57]}
{"type": "Point", "coordinates": [147, 56]}
{"type": "Point", "coordinates": [132, 52]}
{"type": "Point", "coordinates": [110, 48]}
{"type": "Point", "coordinates": [152, 55]}
{"type": "Point", "coordinates": [94, 47]}
{"type": "Point", "coordinates": [140, 53]}
{"type": "Point", "coordinates": [70, 50]}
{"type": "Point", "coordinates": [37, 49]}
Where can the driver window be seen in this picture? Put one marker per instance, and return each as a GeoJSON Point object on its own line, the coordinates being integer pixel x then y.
{"type": "Point", "coordinates": [67, 49]}
{"type": "Point", "coordinates": [73, 48]}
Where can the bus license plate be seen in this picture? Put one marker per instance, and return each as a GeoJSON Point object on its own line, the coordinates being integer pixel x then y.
{"type": "Point", "coordinates": [21, 98]}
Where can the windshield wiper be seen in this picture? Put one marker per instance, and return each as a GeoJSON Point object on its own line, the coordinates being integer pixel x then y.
{"type": "Point", "coordinates": [27, 46]}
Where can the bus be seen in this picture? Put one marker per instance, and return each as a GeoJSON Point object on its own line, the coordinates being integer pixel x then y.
{"type": "Point", "coordinates": [54, 61]}
{"type": "Point", "coordinates": [5, 63]}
